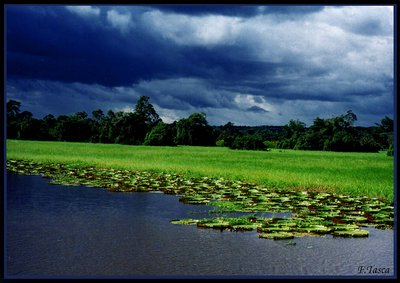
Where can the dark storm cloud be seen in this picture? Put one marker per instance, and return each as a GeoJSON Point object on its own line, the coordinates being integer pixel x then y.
{"type": "Point", "coordinates": [60, 98]}
{"type": "Point", "coordinates": [236, 10]}
{"type": "Point", "coordinates": [224, 64]}
{"type": "Point", "coordinates": [190, 93]}
{"type": "Point", "coordinates": [369, 27]}
{"type": "Point", "coordinates": [204, 9]}
{"type": "Point", "coordinates": [293, 10]}
{"type": "Point", "coordinates": [257, 109]}
{"type": "Point", "coordinates": [243, 63]}
{"type": "Point", "coordinates": [50, 43]}
{"type": "Point", "coordinates": [64, 47]}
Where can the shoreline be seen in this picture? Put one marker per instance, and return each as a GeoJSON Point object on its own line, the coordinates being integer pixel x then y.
{"type": "Point", "coordinates": [314, 213]}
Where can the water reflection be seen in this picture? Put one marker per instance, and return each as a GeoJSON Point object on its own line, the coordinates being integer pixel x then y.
{"type": "Point", "coordinates": [64, 231]}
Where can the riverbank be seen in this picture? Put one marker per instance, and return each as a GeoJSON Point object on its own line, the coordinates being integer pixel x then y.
{"type": "Point", "coordinates": [312, 213]}
{"type": "Point", "coordinates": [64, 231]}
{"type": "Point", "coordinates": [356, 174]}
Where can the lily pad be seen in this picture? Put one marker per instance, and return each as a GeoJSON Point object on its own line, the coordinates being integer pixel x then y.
{"type": "Point", "coordinates": [271, 229]}
{"type": "Point", "coordinates": [351, 233]}
{"type": "Point", "coordinates": [344, 227]}
{"type": "Point", "coordinates": [215, 223]}
{"type": "Point", "coordinates": [352, 218]}
{"type": "Point", "coordinates": [185, 221]}
{"type": "Point", "coordinates": [311, 213]}
{"type": "Point", "coordinates": [245, 227]}
{"type": "Point", "coordinates": [317, 229]}
{"type": "Point", "coordinates": [277, 235]}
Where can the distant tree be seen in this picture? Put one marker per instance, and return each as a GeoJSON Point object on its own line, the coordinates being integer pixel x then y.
{"type": "Point", "coordinates": [349, 118]}
{"type": "Point", "coordinates": [194, 130]}
{"type": "Point", "coordinates": [227, 134]}
{"type": "Point", "coordinates": [390, 151]}
{"type": "Point", "coordinates": [343, 135]}
{"type": "Point", "coordinates": [183, 132]}
{"type": "Point", "coordinates": [107, 131]}
{"type": "Point", "coordinates": [367, 143]}
{"type": "Point", "coordinates": [82, 126]}
{"type": "Point", "coordinates": [341, 141]}
{"type": "Point", "coordinates": [136, 125]}
{"type": "Point", "coordinates": [249, 142]}
{"type": "Point", "coordinates": [144, 126]}
{"type": "Point", "coordinates": [384, 133]}
{"type": "Point", "coordinates": [98, 115]}
{"type": "Point", "coordinates": [59, 128]}
{"type": "Point", "coordinates": [48, 127]}
{"type": "Point", "coordinates": [25, 115]}
{"type": "Point", "coordinates": [291, 134]}
{"type": "Point", "coordinates": [97, 124]}
{"type": "Point", "coordinates": [29, 129]}
{"type": "Point", "coordinates": [128, 128]}
{"type": "Point", "coordinates": [386, 125]}
{"type": "Point", "coordinates": [333, 134]}
{"type": "Point", "coordinates": [13, 108]}
{"type": "Point", "coordinates": [21, 125]}
{"type": "Point", "coordinates": [146, 112]}
{"type": "Point", "coordinates": [76, 128]}
{"type": "Point", "coordinates": [161, 134]}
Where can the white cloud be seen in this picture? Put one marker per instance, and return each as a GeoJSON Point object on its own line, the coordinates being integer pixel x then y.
{"type": "Point", "coordinates": [84, 10]}
{"type": "Point", "coordinates": [327, 59]}
{"type": "Point", "coordinates": [194, 30]}
{"type": "Point", "coordinates": [335, 39]}
{"type": "Point", "coordinates": [246, 101]}
{"type": "Point", "coordinates": [330, 58]}
{"type": "Point", "coordinates": [120, 21]}
{"type": "Point", "coordinates": [367, 20]}
{"type": "Point", "coordinates": [168, 115]}
{"type": "Point", "coordinates": [126, 109]}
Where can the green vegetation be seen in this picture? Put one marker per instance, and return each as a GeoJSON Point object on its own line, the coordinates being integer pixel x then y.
{"type": "Point", "coordinates": [143, 126]}
{"type": "Point", "coordinates": [312, 213]}
{"type": "Point", "coordinates": [326, 192]}
{"type": "Point", "coordinates": [356, 174]}
{"type": "Point", "coordinates": [337, 134]}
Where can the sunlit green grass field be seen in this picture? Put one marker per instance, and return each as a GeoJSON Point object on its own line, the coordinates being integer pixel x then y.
{"type": "Point", "coordinates": [361, 174]}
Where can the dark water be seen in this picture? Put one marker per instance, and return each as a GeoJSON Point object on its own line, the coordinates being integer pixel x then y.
{"type": "Point", "coordinates": [59, 231]}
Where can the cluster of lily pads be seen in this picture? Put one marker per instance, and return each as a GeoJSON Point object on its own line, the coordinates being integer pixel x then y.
{"type": "Point", "coordinates": [279, 228]}
{"type": "Point", "coordinates": [312, 213]}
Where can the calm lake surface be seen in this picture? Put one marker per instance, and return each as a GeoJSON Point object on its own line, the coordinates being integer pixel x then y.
{"type": "Point", "coordinates": [62, 231]}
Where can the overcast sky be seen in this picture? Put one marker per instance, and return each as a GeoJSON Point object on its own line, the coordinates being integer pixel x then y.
{"type": "Point", "coordinates": [250, 65]}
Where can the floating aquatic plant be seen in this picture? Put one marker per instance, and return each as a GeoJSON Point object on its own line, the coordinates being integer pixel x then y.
{"type": "Point", "coordinates": [277, 235]}
{"type": "Point", "coordinates": [311, 213]}
{"type": "Point", "coordinates": [351, 233]}
{"type": "Point", "coordinates": [185, 221]}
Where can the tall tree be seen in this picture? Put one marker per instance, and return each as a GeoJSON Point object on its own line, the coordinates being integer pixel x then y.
{"type": "Point", "coordinates": [292, 133]}
{"type": "Point", "coordinates": [161, 134]}
{"type": "Point", "coordinates": [144, 119]}
{"type": "Point", "coordinates": [194, 130]}
{"type": "Point", "coordinates": [146, 112]}
{"type": "Point", "coordinates": [13, 108]}
{"type": "Point", "coordinates": [48, 127]}
{"type": "Point", "coordinates": [385, 133]}
{"type": "Point", "coordinates": [386, 125]}
{"type": "Point", "coordinates": [227, 134]}
{"type": "Point", "coordinates": [97, 124]}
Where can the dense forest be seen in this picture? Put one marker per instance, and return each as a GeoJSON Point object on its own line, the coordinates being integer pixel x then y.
{"type": "Point", "coordinates": [143, 126]}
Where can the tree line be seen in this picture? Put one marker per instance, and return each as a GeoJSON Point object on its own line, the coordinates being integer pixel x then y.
{"type": "Point", "coordinates": [143, 126]}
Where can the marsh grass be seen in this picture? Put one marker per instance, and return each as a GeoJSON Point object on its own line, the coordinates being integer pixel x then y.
{"type": "Point", "coordinates": [358, 174]}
